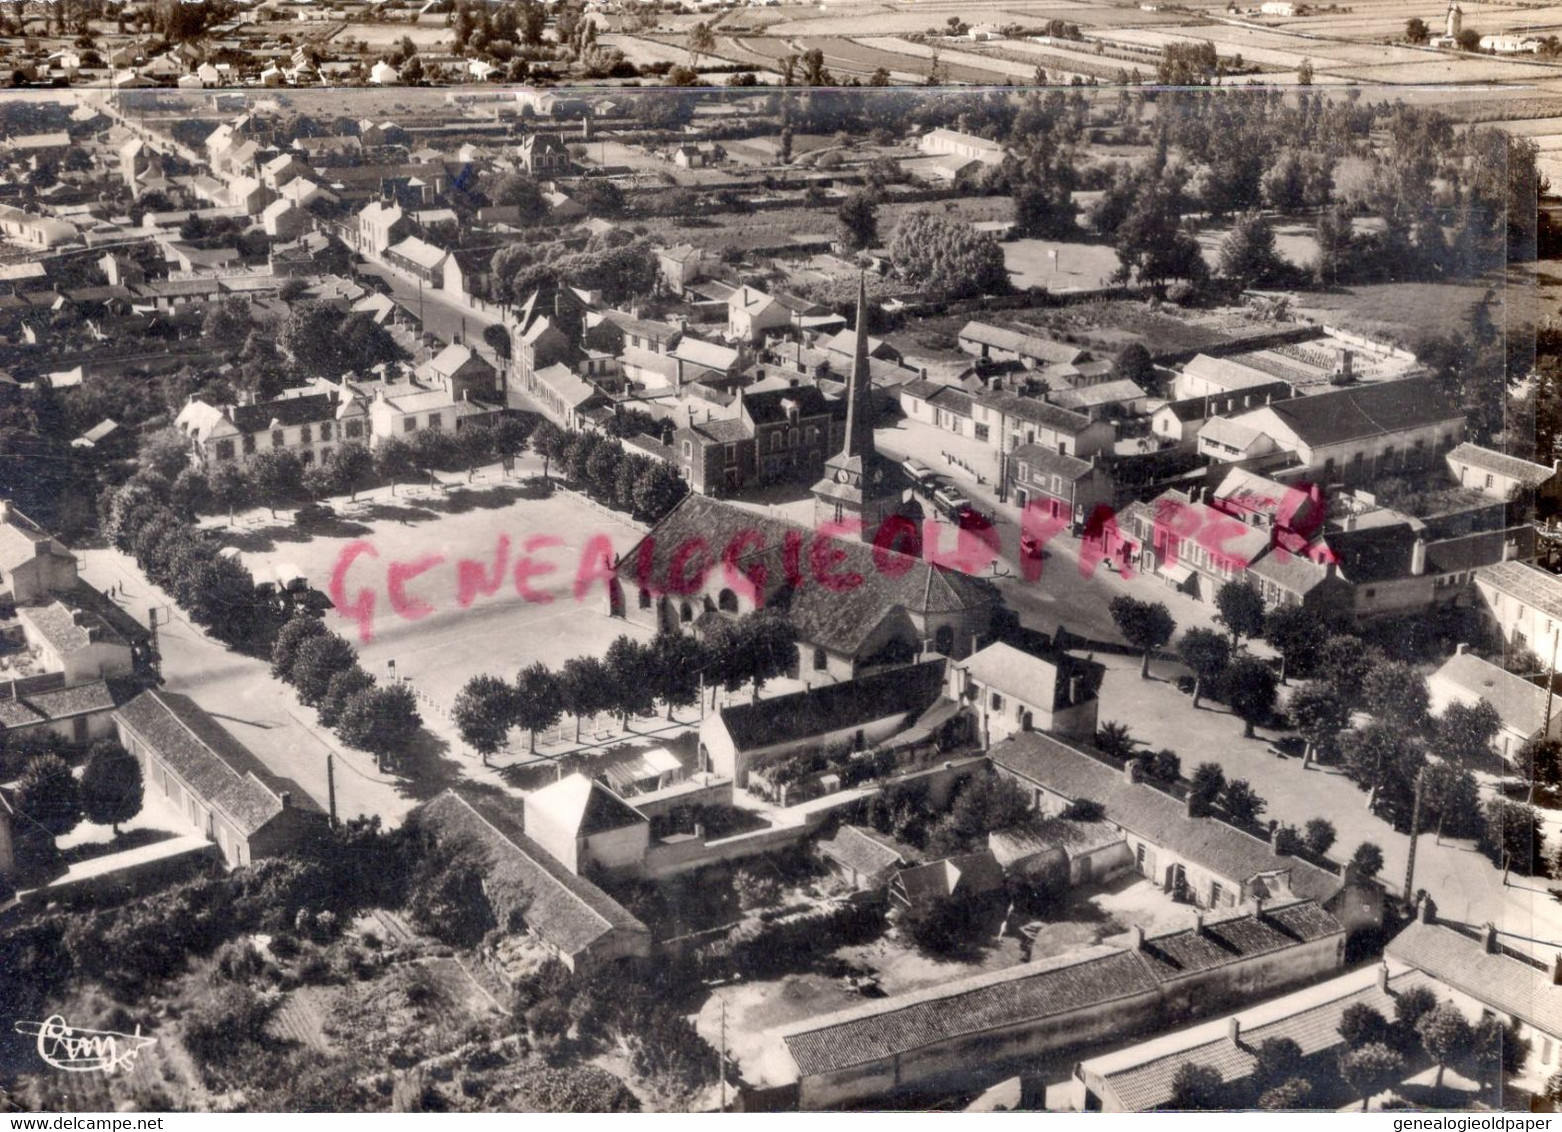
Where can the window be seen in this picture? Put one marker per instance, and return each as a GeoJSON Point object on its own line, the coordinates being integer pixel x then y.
{"type": "Point", "coordinates": [306, 458]}
{"type": "Point", "coordinates": [325, 454]}
{"type": "Point", "coordinates": [688, 449]}
{"type": "Point", "coordinates": [821, 660]}
{"type": "Point", "coordinates": [325, 430]}
{"type": "Point", "coordinates": [1488, 479]}
{"type": "Point", "coordinates": [1215, 893]}
{"type": "Point", "coordinates": [435, 420]}
{"type": "Point", "coordinates": [276, 438]}
{"type": "Point", "coordinates": [645, 599]}
{"type": "Point", "coordinates": [1371, 592]}
{"type": "Point", "coordinates": [354, 430]}
{"type": "Point", "coordinates": [225, 450]}
{"type": "Point", "coordinates": [304, 436]}
{"type": "Point", "coordinates": [982, 432]}
{"type": "Point", "coordinates": [249, 446]}
{"type": "Point", "coordinates": [996, 702]}
{"type": "Point", "coordinates": [410, 425]}
{"type": "Point", "coordinates": [732, 453]}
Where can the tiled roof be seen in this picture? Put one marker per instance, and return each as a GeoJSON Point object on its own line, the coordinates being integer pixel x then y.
{"type": "Point", "coordinates": [834, 707]}
{"type": "Point", "coordinates": [285, 412]}
{"type": "Point", "coordinates": [972, 874]}
{"type": "Point", "coordinates": [1520, 704]}
{"type": "Point", "coordinates": [1223, 941]}
{"type": "Point", "coordinates": [566, 910]}
{"type": "Point", "coordinates": [1504, 982]}
{"type": "Point", "coordinates": [821, 616]}
{"type": "Point", "coordinates": [1014, 341]}
{"type": "Point", "coordinates": [19, 540]}
{"type": "Point", "coordinates": [860, 850]}
{"type": "Point", "coordinates": [221, 772]}
{"type": "Point", "coordinates": [1037, 412]}
{"type": "Point", "coordinates": [1368, 410]}
{"type": "Point", "coordinates": [64, 630]}
{"type": "Point", "coordinates": [1225, 373]}
{"type": "Point", "coordinates": [1052, 462]}
{"type": "Point", "coordinates": [1105, 393]}
{"type": "Point", "coordinates": [418, 251]}
{"type": "Point", "coordinates": [78, 699]}
{"type": "Point", "coordinates": [771, 405]}
{"type": "Point", "coordinates": [1530, 585]}
{"type": "Point", "coordinates": [1527, 473]}
{"type": "Point", "coordinates": [1034, 991]}
{"type": "Point", "coordinates": [1039, 680]}
{"type": "Point", "coordinates": [1157, 817]}
{"type": "Point", "coordinates": [1041, 835]}
{"type": "Point", "coordinates": [1481, 548]}
{"type": "Point", "coordinates": [574, 391]}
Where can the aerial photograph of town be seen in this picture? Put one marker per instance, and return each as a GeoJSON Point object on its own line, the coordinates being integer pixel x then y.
{"type": "Point", "coordinates": [712, 556]}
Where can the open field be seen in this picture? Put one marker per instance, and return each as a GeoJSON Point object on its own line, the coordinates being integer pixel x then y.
{"type": "Point", "coordinates": [1386, 309]}
{"type": "Point", "coordinates": [1078, 267]}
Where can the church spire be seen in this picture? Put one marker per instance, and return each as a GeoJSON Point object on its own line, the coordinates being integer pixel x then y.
{"type": "Point", "coordinates": [859, 387]}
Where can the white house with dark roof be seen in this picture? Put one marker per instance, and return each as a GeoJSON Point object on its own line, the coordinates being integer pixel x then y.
{"type": "Point", "coordinates": [75, 641]}
{"type": "Point", "coordinates": [33, 564]}
{"type": "Point", "coordinates": [530, 891]}
{"type": "Point", "coordinates": [1465, 678]}
{"type": "Point", "coordinates": [418, 258]}
{"type": "Point", "coordinates": [751, 313]}
{"type": "Point", "coordinates": [223, 791]}
{"type": "Point", "coordinates": [997, 343]}
{"type": "Point", "coordinates": [1204, 376]}
{"type": "Point", "coordinates": [862, 857]}
{"type": "Point", "coordinates": [77, 713]}
{"type": "Point", "coordinates": [1524, 601]}
{"type": "Point", "coordinates": [1062, 486]}
{"type": "Point", "coordinates": [1496, 474]}
{"type": "Point", "coordinates": [309, 421]}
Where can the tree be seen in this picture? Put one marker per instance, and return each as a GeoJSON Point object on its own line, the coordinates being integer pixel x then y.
{"type": "Point", "coordinates": [1396, 694]}
{"type": "Point", "coordinates": [1113, 738]}
{"type": "Point", "coordinates": [1241, 609]}
{"type": "Point", "coordinates": [585, 686]}
{"type": "Point", "coordinates": [230, 488]}
{"type": "Point", "coordinates": [947, 257]}
{"type": "Point", "coordinates": [1275, 1061]}
{"type": "Point", "coordinates": [702, 41]}
{"type": "Point", "coordinates": [278, 477]}
{"type": "Point", "coordinates": [1206, 653]}
{"type": "Point", "coordinates": [394, 461]}
{"type": "Point", "coordinates": [1344, 662]}
{"type": "Point", "coordinates": [1145, 625]}
{"type": "Point", "coordinates": [1296, 635]}
{"type": "Point", "coordinates": [1500, 1051]}
{"type": "Point", "coordinates": [352, 468]}
{"type": "Point", "coordinates": [1362, 1025]}
{"type": "Point", "coordinates": [1248, 687]}
{"type": "Point", "coordinates": [1318, 835]}
{"type": "Point", "coordinates": [1367, 860]}
{"type": "Point", "coordinates": [484, 712]}
{"type": "Point", "coordinates": [658, 491]}
{"type": "Point", "coordinates": [48, 796]}
{"type": "Point", "coordinates": [1319, 716]}
{"type": "Point", "coordinates": [1083, 809]}
{"type": "Point", "coordinates": [191, 493]}
{"type": "Point", "coordinates": [1371, 1069]}
{"type": "Point", "coordinates": [1513, 837]}
{"type": "Point", "coordinates": [628, 667]}
{"type": "Point", "coordinates": [675, 660]}
{"type": "Point", "coordinates": [1196, 1088]}
{"type": "Point", "coordinates": [1410, 1006]}
{"type": "Point", "coordinates": [1468, 39]}
{"type": "Point", "coordinates": [858, 219]}
{"type": "Point", "coordinates": [299, 629]}
{"type": "Point", "coordinates": [381, 721]}
{"type": "Point", "coordinates": [1416, 31]}
{"type": "Point", "coordinates": [1241, 802]}
{"type": "Point", "coordinates": [1539, 761]}
{"type": "Point", "coordinates": [1247, 254]}
{"type": "Point", "coordinates": [1208, 783]}
{"type": "Point", "coordinates": [1287, 1096]}
{"type": "Point", "coordinates": [1133, 364]}
{"type": "Point", "coordinates": [166, 452]}
{"type": "Point", "coordinates": [1446, 1036]}
{"type": "Point", "coordinates": [508, 436]}
{"type": "Point", "coordinates": [768, 641]}
{"type": "Point", "coordinates": [538, 701]}
{"type": "Point", "coordinates": [942, 927]}
{"type": "Point", "coordinates": [343, 686]}
{"type": "Point", "coordinates": [318, 659]}
{"type": "Point", "coordinates": [1149, 240]}
{"type": "Point", "coordinates": [111, 786]}
{"type": "Point", "coordinates": [756, 887]}
{"type": "Point", "coordinates": [518, 191]}
{"type": "Point", "coordinates": [1165, 765]}
{"type": "Point", "coordinates": [1451, 797]}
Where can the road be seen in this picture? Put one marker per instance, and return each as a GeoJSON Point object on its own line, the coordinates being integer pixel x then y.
{"type": "Point", "coordinates": [443, 316]}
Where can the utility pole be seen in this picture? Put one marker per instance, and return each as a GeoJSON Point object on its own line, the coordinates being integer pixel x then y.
{"type": "Point", "coordinates": [721, 1069]}
{"type": "Point", "coordinates": [330, 784]}
{"type": "Point", "coordinates": [1415, 834]}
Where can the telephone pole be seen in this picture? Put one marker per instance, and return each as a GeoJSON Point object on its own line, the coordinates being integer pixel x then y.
{"type": "Point", "coordinates": [330, 784]}
{"type": "Point", "coordinates": [721, 1069]}
{"type": "Point", "coordinates": [1415, 834]}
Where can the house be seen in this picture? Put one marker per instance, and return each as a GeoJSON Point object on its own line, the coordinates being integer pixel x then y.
{"type": "Point", "coordinates": [1193, 546]}
{"type": "Point", "coordinates": [397, 409]}
{"type": "Point", "coordinates": [562, 207]}
{"type": "Point", "coordinates": [1497, 474]}
{"type": "Point", "coordinates": [947, 407]}
{"type": "Point", "coordinates": [306, 421]}
{"type": "Point", "coordinates": [381, 224]}
{"type": "Point", "coordinates": [1524, 601]}
{"type": "Point", "coordinates": [33, 564]}
{"type": "Point", "coordinates": [221, 789]}
{"type": "Point", "coordinates": [1043, 1009]}
{"type": "Point", "coordinates": [70, 637]}
{"type": "Point", "coordinates": [899, 607]}
{"type": "Point", "coordinates": [1465, 678]}
{"type": "Point", "coordinates": [1204, 376]}
{"type": "Point", "coordinates": [419, 259]}
{"type": "Point", "coordinates": [282, 169]}
{"type": "Point", "coordinates": [864, 858]}
{"type": "Point", "coordinates": [1200, 860]}
{"type": "Point", "coordinates": [1103, 399]}
{"type": "Point", "coordinates": [75, 713]}
{"type": "Point", "coordinates": [284, 221]}
{"type": "Point", "coordinates": [1062, 487]}
{"type": "Point", "coordinates": [467, 271]}
{"type": "Point", "coordinates": [583, 825]}
{"type": "Point", "coordinates": [38, 232]}
{"type": "Point", "coordinates": [39, 149]}
{"type": "Point", "coordinates": [952, 143]}
{"type": "Point", "coordinates": [1354, 435]}
{"type": "Point", "coordinates": [544, 156]}
{"type": "Point", "coordinates": [965, 876]}
{"type": "Point", "coordinates": [529, 890]}
{"type": "Point", "coordinates": [1011, 691]}
{"type": "Point", "coordinates": [461, 370]}
{"type": "Point", "coordinates": [994, 343]}
{"type": "Point", "coordinates": [1492, 981]}
{"type": "Point", "coordinates": [775, 436]}
{"type": "Point", "coordinates": [383, 74]}
{"type": "Point", "coordinates": [1139, 1077]}
{"type": "Point", "coordinates": [1008, 420]}
{"type": "Point", "coordinates": [860, 712]}
{"type": "Point", "coordinates": [565, 397]}
{"type": "Point", "coordinates": [106, 439]}
{"type": "Point", "coordinates": [1083, 852]}
{"type": "Point", "coordinates": [751, 313]}
{"type": "Point", "coordinates": [681, 265]}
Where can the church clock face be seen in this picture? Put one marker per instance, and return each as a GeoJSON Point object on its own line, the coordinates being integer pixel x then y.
{"type": "Point", "coordinates": [878, 475]}
{"type": "Point", "coordinates": [841, 476]}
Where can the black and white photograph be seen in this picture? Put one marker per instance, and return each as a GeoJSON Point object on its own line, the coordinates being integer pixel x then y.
{"type": "Point", "coordinates": [957, 556]}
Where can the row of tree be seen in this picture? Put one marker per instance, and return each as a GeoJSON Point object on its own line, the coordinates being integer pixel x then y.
{"type": "Point", "coordinates": [51, 801]}
{"type": "Point", "coordinates": [323, 669]}
{"type": "Point", "coordinates": [599, 465]}
{"type": "Point", "coordinates": [628, 679]}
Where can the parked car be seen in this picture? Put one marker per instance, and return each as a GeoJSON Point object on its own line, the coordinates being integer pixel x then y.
{"type": "Point", "coordinates": [922, 477]}
{"type": "Point", "coordinates": [313, 513]}
{"type": "Point", "coordinates": [947, 498]}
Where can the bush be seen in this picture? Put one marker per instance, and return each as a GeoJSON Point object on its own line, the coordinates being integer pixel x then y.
{"type": "Point", "coordinates": [223, 1029]}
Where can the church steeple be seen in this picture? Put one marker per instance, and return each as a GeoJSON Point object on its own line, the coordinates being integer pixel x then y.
{"type": "Point", "coordinates": [859, 386]}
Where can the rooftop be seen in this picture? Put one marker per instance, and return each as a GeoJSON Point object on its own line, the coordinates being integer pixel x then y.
{"type": "Point", "coordinates": [1529, 585]}
{"type": "Point", "coordinates": [1503, 981]}
{"type": "Point", "coordinates": [1511, 467]}
{"type": "Point", "coordinates": [1520, 704]}
{"type": "Point", "coordinates": [832, 707]}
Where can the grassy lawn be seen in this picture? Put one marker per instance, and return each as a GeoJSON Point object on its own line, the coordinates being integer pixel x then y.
{"type": "Point", "coordinates": [1078, 267]}
{"type": "Point", "coordinates": [1405, 312]}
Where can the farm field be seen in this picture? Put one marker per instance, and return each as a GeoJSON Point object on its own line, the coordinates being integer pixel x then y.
{"type": "Point", "coordinates": [1078, 267]}
{"type": "Point", "coordinates": [1385, 309]}
{"type": "Point", "coordinates": [953, 60]}
{"type": "Point", "coordinates": [379, 36]}
{"type": "Point", "coordinates": [1452, 69]}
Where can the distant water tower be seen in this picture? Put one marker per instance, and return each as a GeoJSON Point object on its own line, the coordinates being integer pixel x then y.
{"type": "Point", "coordinates": [1455, 19]}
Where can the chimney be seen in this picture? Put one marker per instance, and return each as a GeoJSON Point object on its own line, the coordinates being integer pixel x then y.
{"type": "Point", "coordinates": [1346, 370]}
{"type": "Point", "coordinates": [1198, 922]}
{"type": "Point", "coordinates": [1073, 689]}
{"type": "Point", "coordinates": [1427, 913]}
{"type": "Point", "coordinates": [1418, 558]}
{"type": "Point", "coordinates": [1258, 907]}
{"type": "Point", "coordinates": [1131, 770]}
{"type": "Point", "coordinates": [1556, 969]}
{"type": "Point", "coordinates": [1489, 938]}
{"type": "Point", "coordinates": [1274, 840]}
{"type": "Point", "coordinates": [1234, 1031]}
{"type": "Point", "coordinates": [1187, 805]}
{"type": "Point", "coordinates": [1138, 938]}
{"type": "Point", "coordinates": [287, 798]}
{"type": "Point", "coordinates": [1383, 976]}
{"type": "Point", "coordinates": [1461, 648]}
